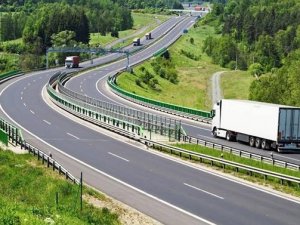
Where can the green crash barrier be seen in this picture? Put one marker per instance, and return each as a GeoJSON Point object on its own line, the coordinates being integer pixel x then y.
{"type": "Point", "coordinates": [4, 137]}
{"type": "Point", "coordinates": [158, 103]}
{"type": "Point", "coordinates": [9, 74]}
{"type": "Point", "coordinates": [160, 52]}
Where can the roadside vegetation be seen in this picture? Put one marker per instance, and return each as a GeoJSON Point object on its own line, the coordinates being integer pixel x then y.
{"type": "Point", "coordinates": [287, 187]}
{"type": "Point", "coordinates": [139, 21]}
{"type": "Point", "coordinates": [28, 195]}
{"type": "Point", "coordinates": [235, 84]}
{"type": "Point", "coordinates": [263, 37]}
{"type": "Point", "coordinates": [193, 70]}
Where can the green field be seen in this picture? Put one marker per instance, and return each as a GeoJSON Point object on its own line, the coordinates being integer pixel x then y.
{"type": "Point", "coordinates": [193, 89]}
{"type": "Point", "coordinates": [235, 84]}
{"type": "Point", "coordinates": [28, 195]}
{"type": "Point", "coordinates": [139, 21]}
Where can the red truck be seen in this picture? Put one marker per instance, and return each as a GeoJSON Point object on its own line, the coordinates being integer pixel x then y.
{"type": "Point", "coordinates": [72, 62]}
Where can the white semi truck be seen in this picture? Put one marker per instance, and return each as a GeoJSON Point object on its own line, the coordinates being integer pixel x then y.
{"type": "Point", "coordinates": [261, 125]}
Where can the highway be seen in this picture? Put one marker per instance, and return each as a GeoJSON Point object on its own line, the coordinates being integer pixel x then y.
{"type": "Point", "coordinates": [196, 195]}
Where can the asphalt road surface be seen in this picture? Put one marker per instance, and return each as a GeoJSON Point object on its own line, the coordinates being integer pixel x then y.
{"type": "Point", "coordinates": [191, 194]}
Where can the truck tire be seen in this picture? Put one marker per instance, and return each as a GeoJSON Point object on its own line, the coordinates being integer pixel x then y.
{"type": "Point", "coordinates": [265, 144]}
{"type": "Point", "coordinates": [228, 136]}
{"type": "Point", "coordinates": [252, 141]}
{"type": "Point", "coordinates": [214, 133]}
{"type": "Point", "coordinates": [257, 142]}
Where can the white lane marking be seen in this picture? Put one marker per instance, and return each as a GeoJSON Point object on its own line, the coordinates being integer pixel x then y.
{"type": "Point", "coordinates": [199, 189]}
{"type": "Point", "coordinates": [32, 112]}
{"type": "Point", "coordinates": [21, 92]}
{"type": "Point", "coordinates": [21, 98]}
{"type": "Point", "coordinates": [80, 86]}
{"type": "Point", "coordinates": [207, 137]}
{"type": "Point", "coordinates": [33, 80]}
{"type": "Point", "coordinates": [24, 104]}
{"type": "Point", "coordinates": [81, 90]}
{"type": "Point", "coordinates": [118, 156]}
{"type": "Point", "coordinates": [24, 88]}
{"type": "Point", "coordinates": [287, 157]}
{"type": "Point", "coordinates": [73, 136]}
{"type": "Point", "coordinates": [47, 122]}
{"type": "Point", "coordinates": [28, 84]}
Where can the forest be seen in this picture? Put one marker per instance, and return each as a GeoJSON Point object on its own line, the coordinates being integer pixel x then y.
{"type": "Point", "coordinates": [262, 36]}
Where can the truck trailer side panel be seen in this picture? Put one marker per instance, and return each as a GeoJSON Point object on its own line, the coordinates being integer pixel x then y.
{"type": "Point", "coordinates": [251, 118]}
{"type": "Point", "coordinates": [289, 125]}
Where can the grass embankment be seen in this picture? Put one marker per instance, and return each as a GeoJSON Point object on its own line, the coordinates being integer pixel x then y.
{"type": "Point", "coordinates": [290, 188]}
{"type": "Point", "coordinates": [193, 88]}
{"type": "Point", "coordinates": [235, 84]}
{"type": "Point", "coordinates": [28, 195]}
{"type": "Point", "coordinates": [139, 21]}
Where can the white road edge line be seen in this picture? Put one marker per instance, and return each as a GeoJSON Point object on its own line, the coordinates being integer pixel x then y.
{"type": "Point", "coordinates": [199, 189]}
{"type": "Point", "coordinates": [127, 185]}
{"type": "Point", "coordinates": [47, 122]}
{"type": "Point", "coordinates": [32, 112]}
{"type": "Point", "coordinates": [73, 136]}
{"type": "Point", "coordinates": [24, 104]}
{"type": "Point", "coordinates": [118, 156]}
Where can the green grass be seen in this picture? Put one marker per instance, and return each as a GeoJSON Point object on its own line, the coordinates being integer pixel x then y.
{"type": "Point", "coordinates": [291, 188]}
{"type": "Point", "coordinates": [97, 39]}
{"type": "Point", "coordinates": [139, 21]}
{"type": "Point", "coordinates": [235, 84]}
{"type": "Point", "coordinates": [28, 191]}
{"type": "Point", "coordinates": [16, 41]}
{"type": "Point", "coordinates": [193, 89]}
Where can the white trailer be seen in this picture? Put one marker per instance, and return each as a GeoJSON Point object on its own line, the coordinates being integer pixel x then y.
{"type": "Point", "coordinates": [261, 125]}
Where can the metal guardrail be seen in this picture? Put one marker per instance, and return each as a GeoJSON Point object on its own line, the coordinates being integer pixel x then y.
{"type": "Point", "coordinates": [152, 123]}
{"type": "Point", "coordinates": [14, 133]}
{"type": "Point", "coordinates": [242, 153]}
{"type": "Point", "coordinates": [213, 160]}
{"type": "Point", "coordinates": [92, 113]}
{"type": "Point", "coordinates": [194, 114]}
{"type": "Point", "coordinates": [16, 138]}
{"type": "Point", "coordinates": [49, 161]}
{"type": "Point", "coordinates": [9, 75]}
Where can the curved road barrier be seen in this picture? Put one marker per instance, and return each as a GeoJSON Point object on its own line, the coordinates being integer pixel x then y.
{"type": "Point", "coordinates": [162, 106]}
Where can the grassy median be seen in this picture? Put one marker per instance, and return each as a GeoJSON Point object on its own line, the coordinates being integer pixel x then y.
{"type": "Point", "coordinates": [288, 187]}
{"type": "Point", "coordinates": [194, 70]}
{"type": "Point", "coordinates": [28, 195]}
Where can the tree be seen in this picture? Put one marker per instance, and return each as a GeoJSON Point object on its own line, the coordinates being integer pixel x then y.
{"type": "Point", "coordinates": [256, 69]}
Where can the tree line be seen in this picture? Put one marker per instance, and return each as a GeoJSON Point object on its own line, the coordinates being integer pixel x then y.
{"type": "Point", "coordinates": [264, 37]}
{"type": "Point", "coordinates": [102, 16]}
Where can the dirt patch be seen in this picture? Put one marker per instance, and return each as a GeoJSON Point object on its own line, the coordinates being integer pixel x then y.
{"type": "Point", "coordinates": [127, 215]}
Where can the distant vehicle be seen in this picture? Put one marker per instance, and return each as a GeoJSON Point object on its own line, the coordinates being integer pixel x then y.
{"type": "Point", "coordinates": [148, 36]}
{"type": "Point", "coordinates": [72, 62]}
{"type": "Point", "coordinates": [261, 125]}
{"type": "Point", "coordinates": [136, 42]}
{"type": "Point", "coordinates": [198, 8]}
{"type": "Point", "coordinates": [185, 31]}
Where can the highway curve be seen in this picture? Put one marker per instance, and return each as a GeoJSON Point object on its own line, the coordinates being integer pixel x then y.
{"type": "Point", "coordinates": [177, 192]}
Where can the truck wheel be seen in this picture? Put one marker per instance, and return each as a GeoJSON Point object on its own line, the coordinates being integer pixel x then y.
{"type": "Point", "coordinates": [257, 142]}
{"type": "Point", "coordinates": [265, 144]}
{"type": "Point", "coordinates": [214, 133]}
{"type": "Point", "coordinates": [228, 136]}
{"type": "Point", "coordinates": [252, 141]}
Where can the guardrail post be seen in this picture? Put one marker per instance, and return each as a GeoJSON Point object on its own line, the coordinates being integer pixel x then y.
{"type": "Point", "coordinates": [67, 175]}
{"type": "Point", "coordinates": [53, 164]}
{"type": "Point", "coordinates": [43, 159]}
{"type": "Point", "coordinates": [48, 162]}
